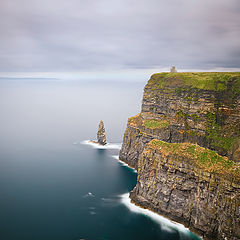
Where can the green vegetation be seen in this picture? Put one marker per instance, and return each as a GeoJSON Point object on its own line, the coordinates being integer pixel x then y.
{"type": "Point", "coordinates": [215, 81]}
{"type": "Point", "coordinates": [204, 158]}
{"type": "Point", "coordinates": [182, 115]}
{"type": "Point", "coordinates": [135, 120]}
{"type": "Point", "coordinates": [153, 124]}
{"type": "Point", "coordinates": [194, 117]}
{"type": "Point", "coordinates": [215, 134]}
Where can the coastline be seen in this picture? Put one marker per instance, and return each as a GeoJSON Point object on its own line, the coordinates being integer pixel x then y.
{"type": "Point", "coordinates": [124, 164]}
{"type": "Point", "coordinates": [128, 201]}
{"type": "Point", "coordinates": [166, 223]}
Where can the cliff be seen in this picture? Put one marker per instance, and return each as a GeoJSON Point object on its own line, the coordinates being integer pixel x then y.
{"type": "Point", "coordinates": [185, 144]}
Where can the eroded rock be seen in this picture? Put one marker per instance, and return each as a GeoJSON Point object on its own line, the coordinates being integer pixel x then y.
{"type": "Point", "coordinates": [101, 134]}
{"type": "Point", "coordinates": [195, 108]}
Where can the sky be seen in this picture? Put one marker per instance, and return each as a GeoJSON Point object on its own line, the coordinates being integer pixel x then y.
{"type": "Point", "coordinates": [111, 35]}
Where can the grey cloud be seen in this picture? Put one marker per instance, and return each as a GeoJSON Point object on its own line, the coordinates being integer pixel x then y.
{"type": "Point", "coordinates": [72, 35]}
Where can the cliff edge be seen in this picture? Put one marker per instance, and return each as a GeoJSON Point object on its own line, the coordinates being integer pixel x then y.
{"type": "Point", "coordinates": [185, 144]}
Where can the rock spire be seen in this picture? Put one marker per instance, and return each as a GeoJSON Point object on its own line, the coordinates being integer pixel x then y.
{"type": "Point", "coordinates": [101, 135]}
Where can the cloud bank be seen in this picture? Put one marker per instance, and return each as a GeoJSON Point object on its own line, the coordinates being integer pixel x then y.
{"type": "Point", "coordinates": [91, 35]}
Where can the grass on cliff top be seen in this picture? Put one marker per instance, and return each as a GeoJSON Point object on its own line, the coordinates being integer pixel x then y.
{"type": "Point", "coordinates": [135, 120]}
{"type": "Point", "coordinates": [155, 124]}
{"type": "Point", "coordinates": [205, 158]}
{"type": "Point", "coordinates": [216, 81]}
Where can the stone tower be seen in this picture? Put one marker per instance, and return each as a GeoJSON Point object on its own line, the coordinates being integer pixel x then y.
{"type": "Point", "coordinates": [173, 69]}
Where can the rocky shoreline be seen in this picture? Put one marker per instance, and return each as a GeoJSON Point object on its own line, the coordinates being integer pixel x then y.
{"type": "Point", "coordinates": [185, 146]}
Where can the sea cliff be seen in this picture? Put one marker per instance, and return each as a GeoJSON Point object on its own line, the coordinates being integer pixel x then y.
{"type": "Point", "coordinates": [185, 144]}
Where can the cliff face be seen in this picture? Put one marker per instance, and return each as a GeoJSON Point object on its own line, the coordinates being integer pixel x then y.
{"type": "Point", "coordinates": [203, 110]}
{"type": "Point", "coordinates": [180, 182]}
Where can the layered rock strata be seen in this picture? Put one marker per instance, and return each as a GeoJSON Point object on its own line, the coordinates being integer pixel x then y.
{"type": "Point", "coordinates": [101, 134]}
{"type": "Point", "coordinates": [179, 182]}
{"type": "Point", "coordinates": [202, 109]}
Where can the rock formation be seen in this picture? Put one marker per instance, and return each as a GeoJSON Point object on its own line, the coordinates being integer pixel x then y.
{"type": "Point", "coordinates": [101, 135]}
{"type": "Point", "coordinates": [185, 145]}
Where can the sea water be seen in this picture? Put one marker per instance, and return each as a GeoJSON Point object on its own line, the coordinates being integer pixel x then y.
{"type": "Point", "coordinates": [54, 184]}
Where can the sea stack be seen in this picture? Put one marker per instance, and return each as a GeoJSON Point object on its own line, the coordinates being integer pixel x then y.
{"type": "Point", "coordinates": [101, 135]}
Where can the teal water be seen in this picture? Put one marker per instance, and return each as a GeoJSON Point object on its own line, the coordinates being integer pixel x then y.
{"type": "Point", "coordinates": [54, 187]}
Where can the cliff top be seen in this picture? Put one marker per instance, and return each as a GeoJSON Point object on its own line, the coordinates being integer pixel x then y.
{"type": "Point", "coordinates": [215, 81]}
{"type": "Point", "coordinates": [206, 159]}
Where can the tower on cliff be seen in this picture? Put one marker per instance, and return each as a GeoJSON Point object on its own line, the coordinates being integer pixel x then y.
{"type": "Point", "coordinates": [173, 69]}
{"type": "Point", "coordinates": [101, 134]}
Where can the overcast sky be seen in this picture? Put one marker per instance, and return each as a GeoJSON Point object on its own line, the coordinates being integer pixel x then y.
{"type": "Point", "coordinates": [95, 35]}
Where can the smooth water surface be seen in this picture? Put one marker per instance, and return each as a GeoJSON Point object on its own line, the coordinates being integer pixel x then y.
{"type": "Point", "coordinates": [52, 186]}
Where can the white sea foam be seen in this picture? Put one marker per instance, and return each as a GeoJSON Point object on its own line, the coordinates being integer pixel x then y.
{"type": "Point", "coordinates": [110, 202]}
{"type": "Point", "coordinates": [91, 208]}
{"type": "Point", "coordinates": [92, 212]}
{"type": "Point", "coordinates": [107, 146]}
{"type": "Point", "coordinates": [166, 224]}
{"type": "Point", "coordinates": [123, 163]}
{"type": "Point", "coordinates": [89, 194]}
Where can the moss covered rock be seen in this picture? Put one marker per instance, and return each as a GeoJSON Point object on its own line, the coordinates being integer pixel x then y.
{"type": "Point", "coordinates": [101, 134]}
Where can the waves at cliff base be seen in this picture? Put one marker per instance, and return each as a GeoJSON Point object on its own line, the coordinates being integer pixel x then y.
{"type": "Point", "coordinates": [123, 163]}
{"type": "Point", "coordinates": [166, 224]}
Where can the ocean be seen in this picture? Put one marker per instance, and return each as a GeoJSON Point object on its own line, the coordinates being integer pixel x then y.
{"type": "Point", "coordinates": [54, 184]}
